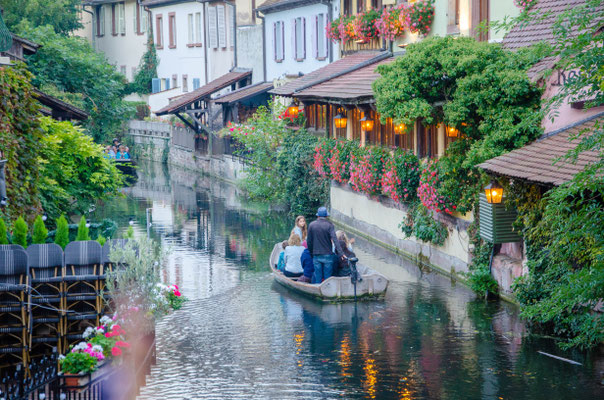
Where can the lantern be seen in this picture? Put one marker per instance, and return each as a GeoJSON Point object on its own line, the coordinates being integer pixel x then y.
{"type": "Point", "coordinates": [366, 124]}
{"type": "Point", "coordinates": [494, 192]}
{"type": "Point", "coordinates": [400, 129]}
{"type": "Point", "coordinates": [452, 132]}
{"type": "Point", "coordinates": [293, 110]}
{"type": "Point", "coordinates": [340, 121]}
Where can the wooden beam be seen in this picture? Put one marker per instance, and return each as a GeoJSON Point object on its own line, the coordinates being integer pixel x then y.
{"type": "Point", "coordinates": [190, 125]}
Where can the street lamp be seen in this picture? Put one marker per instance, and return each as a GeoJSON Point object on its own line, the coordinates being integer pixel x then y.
{"type": "Point", "coordinates": [452, 132]}
{"type": "Point", "coordinates": [366, 124]}
{"type": "Point", "coordinates": [293, 110]}
{"type": "Point", "coordinates": [494, 192]}
{"type": "Point", "coordinates": [340, 120]}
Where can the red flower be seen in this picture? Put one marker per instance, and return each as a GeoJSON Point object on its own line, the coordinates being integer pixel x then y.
{"type": "Point", "coordinates": [116, 351]}
{"type": "Point", "coordinates": [123, 344]}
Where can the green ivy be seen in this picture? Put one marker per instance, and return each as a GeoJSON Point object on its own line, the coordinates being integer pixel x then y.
{"type": "Point", "coordinates": [420, 223]}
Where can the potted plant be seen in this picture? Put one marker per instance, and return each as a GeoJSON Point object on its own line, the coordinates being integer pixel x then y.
{"type": "Point", "coordinates": [81, 361]}
{"type": "Point", "coordinates": [419, 15]}
{"type": "Point", "coordinates": [365, 27]}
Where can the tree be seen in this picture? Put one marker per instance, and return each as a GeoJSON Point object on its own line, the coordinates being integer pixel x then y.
{"type": "Point", "coordinates": [40, 231]}
{"type": "Point", "coordinates": [70, 64]}
{"type": "Point", "coordinates": [147, 70]}
{"type": "Point", "coordinates": [101, 239]}
{"type": "Point", "coordinates": [62, 15]}
{"type": "Point", "coordinates": [20, 232]}
{"type": "Point", "coordinates": [479, 88]}
{"type": "Point", "coordinates": [70, 184]}
{"type": "Point", "coordinates": [82, 230]}
{"type": "Point", "coordinates": [62, 234]}
{"type": "Point", "coordinates": [3, 236]}
{"type": "Point", "coordinates": [129, 234]}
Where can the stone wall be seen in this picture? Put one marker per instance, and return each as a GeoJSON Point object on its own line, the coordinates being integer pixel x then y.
{"type": "Point", "coordinates": [151, 139]}
{"type": "Point", "coordinates": [377, 219]}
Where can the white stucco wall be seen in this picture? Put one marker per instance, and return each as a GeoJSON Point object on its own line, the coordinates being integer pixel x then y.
{"type": "Point", "coordinates": [222, 60]}
{"type": "Point", "coordinates": [289, 65]}
{"type": "Point", "coordinates": [122, 50]}
{"type": "Point", "coordinates": [249, 50]}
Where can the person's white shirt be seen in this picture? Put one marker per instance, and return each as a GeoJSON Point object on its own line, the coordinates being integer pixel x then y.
{"type": "Point", "coordinates": [293, 264]}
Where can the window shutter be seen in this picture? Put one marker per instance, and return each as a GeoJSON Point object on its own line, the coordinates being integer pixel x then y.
{"type": "Point", "coordinates": [303, 37]}
{"type": "Point", "coordinates": [196, 83]}
{"type": "Point", "coordinates": [314, 36]}
{"type": "Point", "coordinates": [221, 26]}
{"type": "Point", "coordinates": [155, 85]}
{"type": "Point", "coordinates": [233, 25]}
{"type": "Point", "coordinates": [145, 20]}
{"type": "Point", "coordinates": [294, 41]}
{"type": "Point", "coordinates": [198, 28]}
{"type": "Point", "coordinates": [113, 27]}
{"type": "Point", "coordinates": [212, 27]}
{"type": "Point", "coordinates": [167, 84]}
{"type": "Point", "coordinates": [136, 18]}
{"type": "Point", "coordinates": [325, 40]}
{"type": "Point", "coordinates": [275, 43]}
{"type": "Point", "coordinates": [282, 40]}
{"type": "Point", "coordinates": [190, 28]}
{"type": "Point", "coordinates": [122, 18]}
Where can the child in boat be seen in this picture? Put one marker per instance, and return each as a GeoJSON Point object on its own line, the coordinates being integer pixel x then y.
{"type": "Point", "coordinates": [300, 227]}
{"type": "Point", "coordinates": [343, 267]}
{"type": "Point", "coordinates": [281, 262]}
{"type": "Point", "coordinates": [307, 266]}
{"type": "Point", "coordinates": [293, 254]}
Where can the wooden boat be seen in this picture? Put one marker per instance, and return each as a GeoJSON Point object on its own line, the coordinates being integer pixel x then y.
{"type": "Point", "coordinates": [371, 285]}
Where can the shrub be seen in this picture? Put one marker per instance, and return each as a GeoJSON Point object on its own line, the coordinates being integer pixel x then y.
{"type": "Point", "coordinates": [3, 236]}
{"type": "Point", "coordinates": [101, 239]}
{"type": "Point", "coordinates": [62, 233]}
{"type": "Point", "coordinates": [83, 233]}
{"type": "Point", "coordinates": [423, 226]}
{"type": "Point", "coordinates": [129, 234]}
{"type": "Point", "coordinates": [20, 232]}
{"type": "Point", "coordinates": [40, 231]}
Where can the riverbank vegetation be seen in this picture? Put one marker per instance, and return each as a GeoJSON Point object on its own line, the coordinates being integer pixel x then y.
{"type": "Point", "coordinates": [281, 158]}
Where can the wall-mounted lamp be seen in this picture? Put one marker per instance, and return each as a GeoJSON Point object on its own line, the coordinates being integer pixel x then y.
{"type": "Point", "coordinates": [494, 192]}
{"type": "Point", "coordinates": [366, 124]}
{"type": "Point", "coordinates": [340, 120]}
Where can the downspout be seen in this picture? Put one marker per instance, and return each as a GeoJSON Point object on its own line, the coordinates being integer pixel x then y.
{"type": "Point", "coordinates": [263, 45]}
{"type": "Point", "coordinates": [329, 5]}
{"type": "Point", "coordinates": [93, 22]}
{"type": "Point", "coordinates": [205, 40]}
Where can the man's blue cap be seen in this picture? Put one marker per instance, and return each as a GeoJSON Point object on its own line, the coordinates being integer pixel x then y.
{"type": "Point", "coordinates": [322, 212]}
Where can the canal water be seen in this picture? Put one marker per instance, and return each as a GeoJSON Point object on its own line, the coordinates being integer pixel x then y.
{"type": "Point", "coordinates": [241, 336]}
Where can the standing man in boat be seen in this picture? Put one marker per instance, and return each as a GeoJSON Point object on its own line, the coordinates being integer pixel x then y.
{"type": "Point", "coordinates": [321, 241]}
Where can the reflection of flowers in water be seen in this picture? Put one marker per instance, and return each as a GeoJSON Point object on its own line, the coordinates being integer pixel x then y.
{"type": "Point", "coordinates": [345, 362]}
{"type": "Point", "coordinates": [299, 338]}
{"type": "Point", "coordinates": [370, 377]}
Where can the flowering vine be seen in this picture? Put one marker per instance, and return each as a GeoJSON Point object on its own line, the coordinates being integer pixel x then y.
{"type": "Point", "coordinates": [390, 24]}
{"type": "Point", "coordinates": [418, 16]}
{"type": "Point", "coordinates": [428, 190]}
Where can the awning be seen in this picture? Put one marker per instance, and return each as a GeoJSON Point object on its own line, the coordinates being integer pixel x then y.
{"type": "Point", "coordinates": [58, 109]}
{"type": "Point", "coordinates": [536, 161]}
{"type": "Point", "coordinates": [244, 93]}
{"type": "Point", "coordinates": [180, 103]}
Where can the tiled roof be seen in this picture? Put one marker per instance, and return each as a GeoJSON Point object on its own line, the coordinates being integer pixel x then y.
{"type": "Point", "coordinates": [535, 162]}
{"type": "Point", "coordinates": [56, 104]}
{"type": "Point", "coordinates": [334, 69]}
{"type": "Point", "coordinates": [354, 87]}
{"type": "Point", "coordinates": [534, 31]}
{"type": "Point", "coordinates": [244, 93]}
{"type": "Point", "coordinates": [179, 102]}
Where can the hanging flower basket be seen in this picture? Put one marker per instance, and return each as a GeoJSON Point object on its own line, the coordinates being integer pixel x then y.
{"type": "Point", "coordinates": [341, 29]}
{"type": "Point", "coordinates": [418, 16]}
{"type": "Point", "coordinates": [365, 27]}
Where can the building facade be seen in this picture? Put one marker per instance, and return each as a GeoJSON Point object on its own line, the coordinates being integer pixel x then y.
{"type": "Point", "coordinates": [118, 29]}
{"type": "Point", "coordinates": [294, 36]}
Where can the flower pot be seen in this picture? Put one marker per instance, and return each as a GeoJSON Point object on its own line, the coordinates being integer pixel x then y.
{"type": "Point", "coordinates": [72, 380]}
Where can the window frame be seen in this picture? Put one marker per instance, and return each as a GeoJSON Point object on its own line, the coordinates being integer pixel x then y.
{"type": "Point", "coordinates": [300, 41]}
{"type": "Point", "coordinates": [279, 25]}
{"type": "Point", "coordinates": [159, 31]}
{"type": "Point", "coordinates": [100, 21]}
{"type": "Point", "coordinates": [172, 30]}
{"type": "Point", "coordinates": [322, 51]}
{"type": "Point", "coordinates": [190, 30]}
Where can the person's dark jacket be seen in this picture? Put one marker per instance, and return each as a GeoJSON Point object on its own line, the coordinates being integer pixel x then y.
{"type": "Point", "coordinates": [343, 267]}
{"type": "Point", "coordinates": [307, 264]}
{"type": "Point", "coordinates": [321, 234]}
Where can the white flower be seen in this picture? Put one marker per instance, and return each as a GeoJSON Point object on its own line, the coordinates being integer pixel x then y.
{"type": "Point", "coordinates": [106, 321]}
{"type": "Point", "coordinates": [61, 357]}
{"type": "Point", "coordinates": [97, 348]}
{"type": "Point", "coordinates": [80, 346]}
{"type": "Point", "coordinates": [90, 331]}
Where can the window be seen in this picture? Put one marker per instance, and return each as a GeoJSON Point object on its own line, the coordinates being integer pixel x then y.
{"type": "Point", "coordinates": [299, 38]}
{"type": "Point", "coordinates": [121, 18]}
{"type": "Point", "coordinates": [376, 4]}
{"type": "Point", "coordinates": [212, 27]}
{"type": "Point", "coordinates": [100, 21]}
{"type": "Point", "coordinates": [427, 141]}
{"type": "Point", "coordinates": [159, 31]}
{"type": "Point", "coordinates": [279, 43]}
{"type": "Point", "coordinates": [320, 38]}
{"type": "Point", "coordinates": [123, 70]}
{"type": "Point", "coordinates": [185, 83]}
{"type": "Point", "coordinates": [198, 27]}
{"type": "Point", "coordinates": [174, 80]}
{"type": "Point", "coordinates": [453, 17]}
{"type": "Point", "coordinates": [221, 26]}
{"type": "Point", "coordinates": [196, 83]}
{"type": "Point", "coordinates": [191, 30]}
{"type": "Point", "coordinates": [347, 9]}
{"type": "Point", "coordinates": [360, 6]}
{"type": "Point", "coordinates": [172, 30]}
{"type": "Point", "coordinates": [140, 19]}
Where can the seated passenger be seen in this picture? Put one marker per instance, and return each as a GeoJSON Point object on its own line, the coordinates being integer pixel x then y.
{"type": "Point", "coordinates": [300, 227]}
{"type": "Point", "coordinates": [281, 262]}
{"type": "Point", "coordinates": [109, 153]}
{"type": "Point", "coordinates": [343, 267]}
{"type": "Point", "coordinates": [307, 266]}
{"type": "Point", "coordinates": [126, 153]}
{"type": "Point", "coordinates": [293, 254]}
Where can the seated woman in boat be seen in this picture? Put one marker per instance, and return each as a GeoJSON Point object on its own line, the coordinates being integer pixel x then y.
{"type": "Point", "coordinates": [343, 267]}
{"type": "Point", "coordinates": [300, 227]}
{"type": "Point", "coordinates": [109, 153]}
{"type": "Point", "coordinates": [122, 154]}
{"type": "Point", "coordinates": [293, 254]}
{"type": "Point", "coordinates": [307, 266]}
{"type": "Point", "coordinates": [281, 262]}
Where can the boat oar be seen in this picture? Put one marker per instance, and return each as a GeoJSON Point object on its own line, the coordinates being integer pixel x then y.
{"type": "Point", "coordinates": [354, 274]}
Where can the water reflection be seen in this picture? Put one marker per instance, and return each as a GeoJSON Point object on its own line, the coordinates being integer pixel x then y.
{"type": "Point", "coordinates": [244, 337]}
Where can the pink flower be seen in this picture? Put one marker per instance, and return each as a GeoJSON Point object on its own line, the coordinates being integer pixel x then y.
{"type": "Point", "coordinates": [116, 351]}
{"type": "Point", "coordinates": [123, 344]}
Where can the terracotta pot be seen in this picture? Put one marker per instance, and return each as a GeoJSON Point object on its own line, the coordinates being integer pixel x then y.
{"type": "Point", "coordinates": [72, 381]}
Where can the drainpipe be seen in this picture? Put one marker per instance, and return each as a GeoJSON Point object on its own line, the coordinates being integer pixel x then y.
{"type": "Point", "coordinates": [263, 44]}
{"type": "Point", "coordinates": [329, 5]}
{"type": "Point", "coordinates": [93, 22]}
{"type": "Point", "coordinates": [205, 40]}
